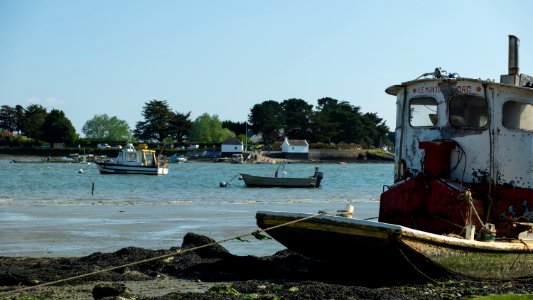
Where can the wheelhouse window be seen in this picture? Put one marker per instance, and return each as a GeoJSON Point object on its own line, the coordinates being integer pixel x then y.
{"type": "Point", "coordinates": [423, 112]}
{"type": "Point", "coordinates": [468, 112]}
{"type": "Point", "coordinates": [131, 156]}
{"type": "Point", "coordinates": [518, 115]}
{"type": "Point", "coordinates": [398, 114]}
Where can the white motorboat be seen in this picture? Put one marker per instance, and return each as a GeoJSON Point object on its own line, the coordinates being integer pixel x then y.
{"type": "Point", "coordinates": [132, 161]}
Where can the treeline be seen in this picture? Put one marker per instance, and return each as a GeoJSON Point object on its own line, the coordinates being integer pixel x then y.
{"type": "Point", "coordinates": [35, 125]}
{"type": "Point", "coordinates": [329, 122]}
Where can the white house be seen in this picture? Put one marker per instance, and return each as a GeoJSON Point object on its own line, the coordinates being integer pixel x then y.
{"type": "Point", "coordinates": [295, 149]}
{"type": "Point", "coordinates": [231, 146]}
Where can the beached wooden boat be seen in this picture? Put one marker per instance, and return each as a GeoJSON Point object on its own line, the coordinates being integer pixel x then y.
{"type": "Point", "coordinates": [132, 161]}
{"type": "Point", "coordinates": [280, 180]}
{"type": "Point", "coordinates": [462, 198]}
{"type": "Point", "coordinates": [394, 251]}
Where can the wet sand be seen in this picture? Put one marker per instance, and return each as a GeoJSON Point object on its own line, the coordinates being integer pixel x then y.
{"type": "Point", "coordinates": [77, 230]}
{"type": "Point", "coordinates": [72, 230]}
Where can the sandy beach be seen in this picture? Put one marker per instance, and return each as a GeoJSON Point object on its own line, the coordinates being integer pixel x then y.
{"type": "Point", "coordinates": [78, 230]}
{"type": "Point", "coordinates": [45, 231]}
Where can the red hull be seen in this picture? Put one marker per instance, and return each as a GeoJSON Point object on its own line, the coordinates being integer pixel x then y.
{"type": "Point", "coordinates": [439, 206]}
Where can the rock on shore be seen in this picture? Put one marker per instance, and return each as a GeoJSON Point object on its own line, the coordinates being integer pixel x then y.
{"type": "Point", "coordinates": [214, 273]}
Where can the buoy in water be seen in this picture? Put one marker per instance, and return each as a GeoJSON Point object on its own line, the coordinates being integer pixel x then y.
{"type": "Point", "coordinates": [225, 183]}
{"type": "Point", "coordinates": [80, 171]}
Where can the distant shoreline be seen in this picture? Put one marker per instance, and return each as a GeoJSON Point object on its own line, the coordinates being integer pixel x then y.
{"type": "Point", "coordinates": [316, 156]}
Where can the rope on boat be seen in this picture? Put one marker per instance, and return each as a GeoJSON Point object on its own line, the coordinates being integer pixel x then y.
{"type": "Point", "coordinates": [518, 256]}
{"type": "Point", "coordinates": [487, 230]}
{"type": "Point", "coordinates": [414, 267]}
{"type": "Point", "coordinates": [256, 234]}
{"type": "Point", "coordinates": [467, 195]}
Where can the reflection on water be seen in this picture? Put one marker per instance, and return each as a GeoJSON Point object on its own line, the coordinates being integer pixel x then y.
{"type": "Point", "coordinates": [52, 209]}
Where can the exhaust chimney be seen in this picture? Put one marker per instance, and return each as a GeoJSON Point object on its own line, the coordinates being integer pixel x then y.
{"type": "Point", "coordinates": [514, 43]}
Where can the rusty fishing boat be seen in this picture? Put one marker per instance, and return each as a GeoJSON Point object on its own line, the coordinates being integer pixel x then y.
{"type": "Point", "coordinates": [462, 198]}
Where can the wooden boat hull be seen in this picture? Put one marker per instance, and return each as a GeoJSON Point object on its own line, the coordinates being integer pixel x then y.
{"type": "Point", "coordinates": [391, 251]}
{"type": "Point", "coordinates": [288, 182]}
{"type": "Point", "coordinates": [111, 168]}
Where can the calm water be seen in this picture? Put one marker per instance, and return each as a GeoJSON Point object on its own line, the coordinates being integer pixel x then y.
{"type": "Point", "coordinates": [188, 183]}
{"type": "Point", "coordinates": [52, 209]}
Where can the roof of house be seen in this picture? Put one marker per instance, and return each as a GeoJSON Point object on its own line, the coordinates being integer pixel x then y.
{"type": "Point", "coordinates": [232, 141]}
{"type": "Point", "coordinates": [297, 142]}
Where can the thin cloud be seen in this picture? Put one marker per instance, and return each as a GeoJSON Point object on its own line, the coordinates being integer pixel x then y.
{"type": "Point", "coordinates": [46, 102]}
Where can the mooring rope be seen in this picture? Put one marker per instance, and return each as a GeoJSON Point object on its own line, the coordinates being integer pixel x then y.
{"type": "Point", "coordinates": [178, 252]}
{"type": "Point", "coordinates": [518, 256]}
{"type": "Point", "coordinates": [414, 267]}
{"type": "Point", "coordinates": [467, 195]}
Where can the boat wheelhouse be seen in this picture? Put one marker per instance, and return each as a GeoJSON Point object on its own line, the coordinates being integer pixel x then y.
{"type": "Point", "coordinates": [464, 153]}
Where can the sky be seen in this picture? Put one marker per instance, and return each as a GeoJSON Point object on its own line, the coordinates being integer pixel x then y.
{"type": "Point", "coordinates": [96, 57]}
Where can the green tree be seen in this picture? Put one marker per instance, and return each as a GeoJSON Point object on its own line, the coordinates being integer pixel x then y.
{"type": "Point", "coordinates": [298, 118]}
{"type": "Point", "coordinates": [19, 111]}
{"type": "Point", "coordinates": [351, 123]}
{"type": "Point", "coordinates": [157, 115]}
{"type": "Point", "coordinates": [267, 119]}
{"type": "Point", "coordinates": [236, 127]}
{"type": "Point", "coordinates": [103, 127]}
{"type": "Point", "coordinates": [58, 129]}
{"type": "Point", "coordinates": [161, 122]}
{"type": "Point", "coordinates": [333, 121]}
{"type": "Point", "coordinates": [179, 126]}
{"type": "Point", "coordinates": [377, 130]}
{"type": "Point", "coordinates": [325, 124]}
{"type": "Point", "coordinates": [208, 129]}
{"type": "Point", "coordinates": [33, 121]}
{"type": "Point", "coordinates": [8, 118]}
{"type": "Point", "coordinates": [337, 121]}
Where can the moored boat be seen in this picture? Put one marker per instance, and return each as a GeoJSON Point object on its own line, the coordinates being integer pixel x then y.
{"type": "Point", "coordinates": [280, 180]}
{"type": "Point", "coordinates": [462, 200]}
{"type": "Point", "coordinates": [132, 161]}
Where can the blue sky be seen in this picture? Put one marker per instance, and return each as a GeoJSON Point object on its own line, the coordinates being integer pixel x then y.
{"type": "Point", "coordinates": [222, 57]}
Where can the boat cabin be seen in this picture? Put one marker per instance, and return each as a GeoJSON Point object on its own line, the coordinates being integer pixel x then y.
{"type": "Point", "coordinates": [456, 136]}
{"type": "Point", "coordinates": [130, 156]}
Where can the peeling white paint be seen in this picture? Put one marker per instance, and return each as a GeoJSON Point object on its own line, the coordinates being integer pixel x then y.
{"type": "Point", "coordinates": [492, 152]}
